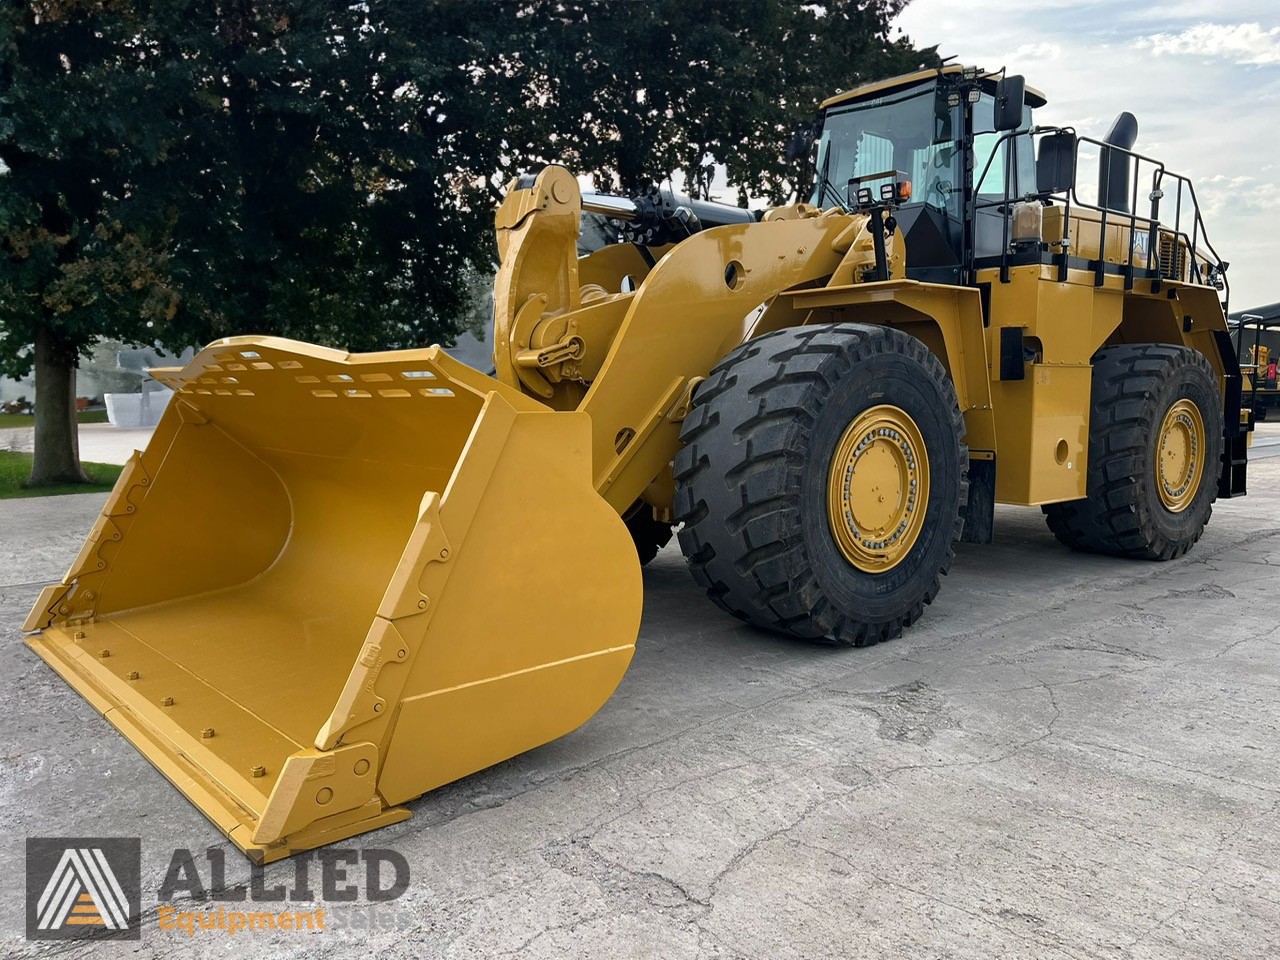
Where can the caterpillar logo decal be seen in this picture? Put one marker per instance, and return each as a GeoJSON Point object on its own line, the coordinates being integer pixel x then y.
{"type": "Point", "coordinates": [81, 887]}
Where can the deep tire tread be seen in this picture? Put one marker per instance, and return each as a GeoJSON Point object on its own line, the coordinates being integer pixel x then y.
{"type": "Point", "coordinates": [746, 432]}
{"type": "Point", "coordinates": [1116, 516]}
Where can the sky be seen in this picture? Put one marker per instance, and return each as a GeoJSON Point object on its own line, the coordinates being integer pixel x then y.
{"type": "Point", "coordinates": [1203, 80]}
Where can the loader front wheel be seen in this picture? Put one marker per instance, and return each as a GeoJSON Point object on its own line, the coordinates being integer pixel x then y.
{"type": "Point", "coordinates": [821, 481]}
{"type": "Point", "coordinates": [1155, 445]}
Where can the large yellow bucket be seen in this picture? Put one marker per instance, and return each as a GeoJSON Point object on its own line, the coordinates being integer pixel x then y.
{"type": "Point", "coordinates": [334, 582]}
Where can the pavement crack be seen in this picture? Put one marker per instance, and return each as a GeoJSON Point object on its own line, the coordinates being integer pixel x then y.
{"type": "Point", "coordinates": [1195, 886]}
{"type": "Point", "coordinates": [1181, 768]}
{"type": "Point", "coordinates": [979, 915]}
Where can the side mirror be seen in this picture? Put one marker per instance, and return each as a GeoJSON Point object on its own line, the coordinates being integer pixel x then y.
{"type": "Point", "coordinates": [1011, 97]}
{"type": "Point", "coordinates": [802, 141]}
{"type": "Point", "coordinates": [1056, 163]}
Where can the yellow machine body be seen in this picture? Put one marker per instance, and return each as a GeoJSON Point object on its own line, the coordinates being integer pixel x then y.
{"type": "Point", "coordinates": [638, 354]}
{"type": "Point", "coordinates": [334, 582]}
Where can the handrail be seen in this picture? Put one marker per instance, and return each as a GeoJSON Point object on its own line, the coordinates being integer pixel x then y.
{"type": "Point", "coordinates": [1198, 247]}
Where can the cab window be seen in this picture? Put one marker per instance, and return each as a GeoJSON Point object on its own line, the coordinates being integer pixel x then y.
{"type": "Point", "coordinates": [1013, 163]}
{"type": "Point", "coordinates": [900, 131]}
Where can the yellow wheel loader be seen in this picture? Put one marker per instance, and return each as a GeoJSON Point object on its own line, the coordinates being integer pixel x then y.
{"type": "Point", "coordinates": [333, 582]}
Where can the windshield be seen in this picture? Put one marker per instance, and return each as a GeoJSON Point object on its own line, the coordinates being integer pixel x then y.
{"type": "Point", "coordinates": [908, 131]}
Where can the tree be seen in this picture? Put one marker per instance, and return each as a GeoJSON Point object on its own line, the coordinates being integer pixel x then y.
{"type": "Point", "coordinates": [637, 91]}
{"type": "Point", "coordinates": [81, 250]}
{"type": "Point", "coordinates": [179, 170]}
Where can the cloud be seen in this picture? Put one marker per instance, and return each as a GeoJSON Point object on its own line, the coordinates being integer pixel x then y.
{"type": "Point", "coordinates": [1219, 193]}
{"type": "Point", "coordinates": [1038, 51]}
{"type": "Point", "coordinates": [1243, 43]}
{"type": "Point", "coordinates": [1242, 193]}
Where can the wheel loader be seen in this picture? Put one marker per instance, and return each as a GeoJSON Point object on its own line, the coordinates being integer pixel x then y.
{"type": "Point", "coordinates": [1260, 393]}
{"type": "Point", "coordinates": [333, 582]}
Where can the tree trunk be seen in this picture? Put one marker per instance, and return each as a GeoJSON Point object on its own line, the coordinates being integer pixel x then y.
{"type": "Point", "coordinates": [57, 439]}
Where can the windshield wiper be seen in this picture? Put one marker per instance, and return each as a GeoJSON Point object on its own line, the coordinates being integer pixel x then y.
{"type": "Point", "coordinates": [826, 189]}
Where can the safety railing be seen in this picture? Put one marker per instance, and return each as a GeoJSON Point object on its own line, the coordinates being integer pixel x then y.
{"type": "Point", "coordinates": [1190, 256]}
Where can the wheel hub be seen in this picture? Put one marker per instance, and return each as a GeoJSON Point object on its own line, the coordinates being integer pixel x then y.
{"type": "Point", "coordinates": [877, 488]}
{"type": "Point", "coordinates": [1180, 455]}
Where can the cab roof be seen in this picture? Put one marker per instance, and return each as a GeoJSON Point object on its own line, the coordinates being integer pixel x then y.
{"type": "Point", "coordinates": [880, 87]}
{"type": "Point", "coordinates": [1267, 316]}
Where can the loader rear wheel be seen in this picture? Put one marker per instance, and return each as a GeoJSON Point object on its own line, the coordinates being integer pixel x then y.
{"type": "Point", "coordinates": [821, 481]}
{"type": "Point", "coordinates": [1155, 443]}
{"type": "Point", "coordinates": [647, 532]}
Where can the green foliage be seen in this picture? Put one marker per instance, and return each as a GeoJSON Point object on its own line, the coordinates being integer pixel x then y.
{"type": "Point", "coordinates": [8, 420]}
{"type": "Point", "coordinates": [179, 170]}
{"type": "Point", "coordinates": [636, 91]}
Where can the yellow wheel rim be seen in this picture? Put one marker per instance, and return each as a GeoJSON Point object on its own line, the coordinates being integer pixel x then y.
{"type": "Point", "coordinates": [1180, 456]}
{"type": "Point", "coordinates": [877, 489]}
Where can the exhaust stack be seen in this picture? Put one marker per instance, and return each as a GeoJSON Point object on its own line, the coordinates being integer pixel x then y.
{"type": "Point", "coordinates": [1113, 167]}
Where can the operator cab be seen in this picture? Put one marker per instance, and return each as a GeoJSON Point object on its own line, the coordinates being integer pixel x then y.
{"type": "Point", "coordinates": [920, 128]}
{"type": "Point", "coordinates": [952, 155]}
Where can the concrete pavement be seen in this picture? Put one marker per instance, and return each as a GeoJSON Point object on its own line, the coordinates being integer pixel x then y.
{"type": "Point", "coordinates": [1069, 757]}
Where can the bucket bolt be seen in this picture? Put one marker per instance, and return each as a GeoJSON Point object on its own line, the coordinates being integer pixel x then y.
{"type": "Point", "coordinates": [206, 733]}
{"type": "Point", "coordinates": [166, 701]}
{"type": "Point", "coordinates": [257, 770]}
{"type": "Point", "coordinates": [133, 675]}
{"type": "Point", "coordinates": [104, 654]}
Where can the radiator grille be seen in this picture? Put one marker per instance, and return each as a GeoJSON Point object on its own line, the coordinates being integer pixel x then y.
{"type": "Point", "coordinates": [1173, 257]}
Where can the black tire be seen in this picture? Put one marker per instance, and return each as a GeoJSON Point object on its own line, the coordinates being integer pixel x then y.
{"type": "Point", "coordinates": [1134, 386]}
{"type": "Point", "coordinates": [648, 533]}
{"type": "Point", "coordinates": [751, 480]}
